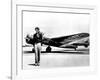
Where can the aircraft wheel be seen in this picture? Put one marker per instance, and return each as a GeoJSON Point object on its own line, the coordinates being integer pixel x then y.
{"type": "Point", "coordinates": [33, 50]}
{"type": "Point", "coordinates": [48, 49]}
{"type": "Point", "coordinates": [86, 46]}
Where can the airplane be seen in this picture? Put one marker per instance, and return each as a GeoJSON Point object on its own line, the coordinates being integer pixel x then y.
{"type": "Point", "coordinates": [70, 41]}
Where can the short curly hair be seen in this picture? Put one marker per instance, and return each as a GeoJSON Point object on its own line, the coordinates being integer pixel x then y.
{"type": "Point", "coordinates": [37, 28]}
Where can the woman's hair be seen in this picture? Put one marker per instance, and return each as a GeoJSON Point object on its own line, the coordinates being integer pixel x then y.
{"type": "Point", "coordinates": [37, 28]}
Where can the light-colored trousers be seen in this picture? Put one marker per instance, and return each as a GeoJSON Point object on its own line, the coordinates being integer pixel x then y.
{"type": "Point", "coordinates": [37, 48]}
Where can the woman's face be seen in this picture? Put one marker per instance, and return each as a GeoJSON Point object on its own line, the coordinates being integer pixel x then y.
{"type": "Point", "coordinates": [37, 30]}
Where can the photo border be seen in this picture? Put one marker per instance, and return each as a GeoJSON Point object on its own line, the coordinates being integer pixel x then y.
{"type": "Point", "coordinates": [12, 41]}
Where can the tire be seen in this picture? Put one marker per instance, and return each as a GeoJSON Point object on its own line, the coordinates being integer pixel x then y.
{"type": "Point", "coordinates": [33, 50]}
{"type": "Point", "coordinates": [86, 46]}
{"type": "Point", "coordinates": [48, 49]}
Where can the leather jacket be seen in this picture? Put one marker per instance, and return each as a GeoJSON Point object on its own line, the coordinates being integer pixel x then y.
{"type": "Point", "coordinates": [37, 38]}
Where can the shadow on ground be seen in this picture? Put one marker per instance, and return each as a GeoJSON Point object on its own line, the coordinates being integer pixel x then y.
{"type": "Point", "coordinates": [81, 51]}
{"type": "Point", "coordinates": [32, 64]}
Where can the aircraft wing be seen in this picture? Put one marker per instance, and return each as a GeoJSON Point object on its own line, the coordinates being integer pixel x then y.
{"type": "Point", "coordinates": [70, 38]}
{"type": "Point", "coordinates": [72, 41]}
{"type": "Point", "coordinates": [69, 41]}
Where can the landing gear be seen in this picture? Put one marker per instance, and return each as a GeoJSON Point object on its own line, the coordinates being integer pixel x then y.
{"type": "Point", "coordinates": [48, 49]}
{"type": "Point", "coordinates": [86, 46]}
{"type": "Point", "coordinates": [33, 50]}
{"type": "Point", "coordinates": [75, 49]}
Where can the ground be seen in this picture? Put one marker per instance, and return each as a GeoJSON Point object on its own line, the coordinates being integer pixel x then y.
{"type": "Point", "coordinates": [57, 58]}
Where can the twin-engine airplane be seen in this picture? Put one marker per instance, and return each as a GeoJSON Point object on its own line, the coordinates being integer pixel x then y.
{"type": "Point", "coordinates": [71, 41]}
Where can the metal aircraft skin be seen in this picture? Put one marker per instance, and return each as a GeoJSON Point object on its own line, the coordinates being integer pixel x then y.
{"type": "Point", "coordinates": [70, 41]}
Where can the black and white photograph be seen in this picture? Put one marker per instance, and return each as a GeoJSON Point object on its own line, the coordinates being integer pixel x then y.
{"type": "Point", "coordinates": [51, 40]}
{"type": "Point", "coordinates": [55, 39]}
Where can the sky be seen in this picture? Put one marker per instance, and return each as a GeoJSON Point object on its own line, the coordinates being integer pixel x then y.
{"type": "Point", "coordinates": [55, 24]}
